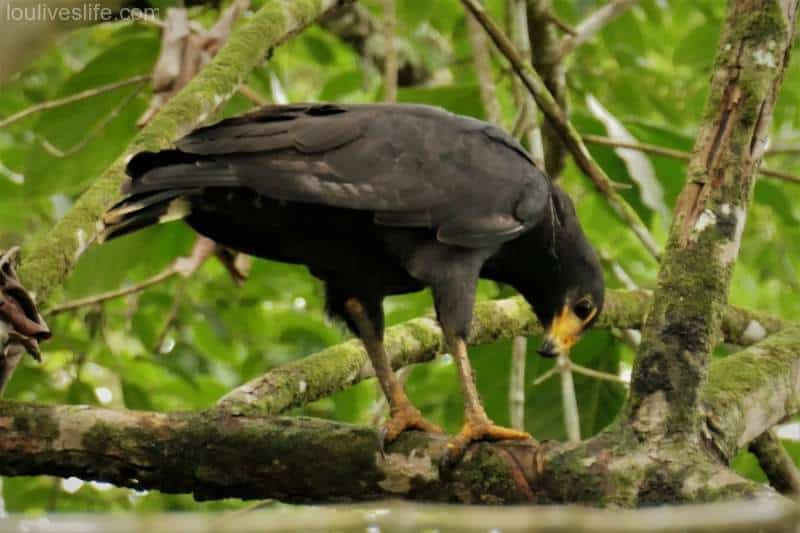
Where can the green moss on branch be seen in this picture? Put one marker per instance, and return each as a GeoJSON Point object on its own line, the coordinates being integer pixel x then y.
{"type": "Point", "coordinates": [49, 260]}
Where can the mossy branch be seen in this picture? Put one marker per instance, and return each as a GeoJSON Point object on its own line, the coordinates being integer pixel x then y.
{"type": "Point", "coordinates": [749, 392]}
{"type": "Point", "coordinates": [50, 259]}
{"type": "Point", "coordinates": [419, 340]}
{"type": "Point", "coordinates": [217, 454]}
{"type": "Point", "coordinates": [686, 318]}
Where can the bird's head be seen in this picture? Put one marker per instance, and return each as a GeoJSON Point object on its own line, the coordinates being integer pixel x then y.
{"type": "Point", "coordinates": [567, 295]}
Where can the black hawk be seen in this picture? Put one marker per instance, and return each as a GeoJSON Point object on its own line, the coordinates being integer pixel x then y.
{"type": "Point", "coordinates": [375, 200]}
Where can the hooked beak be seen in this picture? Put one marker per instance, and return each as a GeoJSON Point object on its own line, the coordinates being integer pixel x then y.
{"type": "Point", "coordinates": [564, 332]}
{"type": "Point", "coordinates": [548, 348]}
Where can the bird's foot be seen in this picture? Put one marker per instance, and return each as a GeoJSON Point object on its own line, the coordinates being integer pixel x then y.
{"type": "Point", "coordinates": [402, 418]}
{"type": "Point", "coordinates": [475, 430]}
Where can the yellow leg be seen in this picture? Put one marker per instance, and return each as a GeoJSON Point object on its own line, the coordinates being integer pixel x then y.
{"type": "Point", "coordinates": [477, 425]}
{"type": "Point", "coordinates": [402, 414]}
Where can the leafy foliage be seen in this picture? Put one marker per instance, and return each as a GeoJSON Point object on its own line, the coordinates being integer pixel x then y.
{"type": "Point", "coordinates": [184, 343]}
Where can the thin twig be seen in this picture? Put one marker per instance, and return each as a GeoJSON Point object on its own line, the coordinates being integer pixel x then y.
{"type": "Point", "coordinates": [185, 266]}
{"type": "Point", "coordinates": [117, 293]}
{"type": "Point", "coordinates": [572, 419]}
{"type": "Point", "coordinates": [96, 130]}
{"type": "Point", "coordinates": [516, 387]}
{"type": "Point", "coordinates": [390, 66]}
{"type": "Point", "coordinates": [544, 377]}
{"type": "Point", "coordinates": [597, 374]}
{"type": "Point", "coordinates": [569, 135]}
{"type": "Point", "coordinates": [560, 24]}
{"type": "Point", "coordinates": [675, 154]}
{"type": "Point", "coordinates": [591, 25]}
{"type": "Point", "coordinates": [252, 95]}
{"type": "Point", "coordinates": [88, 93]}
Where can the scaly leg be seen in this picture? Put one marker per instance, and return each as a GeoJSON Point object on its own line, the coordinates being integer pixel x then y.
{"type": "Point", "coordinates": [402, 414]}
{"type": "Point", "coordinates": [477, 425]}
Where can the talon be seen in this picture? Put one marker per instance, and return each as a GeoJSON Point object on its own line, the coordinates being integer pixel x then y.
{"type": "Point", "coordinates": [476, 431]}
{"type": "Point", "coordinates": [403, 418]}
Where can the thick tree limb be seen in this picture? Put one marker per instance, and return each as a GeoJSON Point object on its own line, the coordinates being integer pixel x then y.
{"type": "Point", "coordinates": [217, 454]}
{"type": "Point", "coordinates": [48, 261]}
{"type": "Point", "coordinates": [419, 340]}
{"type": "Point", "coordinates": [685, 321]}
{"type": "Point", "coordinates": [751, 391]}
{"type": "Point", "coordinates": [569, 135]}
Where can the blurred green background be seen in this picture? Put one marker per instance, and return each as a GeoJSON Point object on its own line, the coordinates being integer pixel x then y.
{"type": "Point", "coordinates": [650, 71]}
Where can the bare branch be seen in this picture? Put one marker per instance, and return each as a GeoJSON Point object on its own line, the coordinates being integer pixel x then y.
{"type": "Point", "coordinates": [566, 130]}
{"type": "Point", "coordinates": [110, 295]}
{"type": "Point", "coordinates": [572, 419]}
{"type": "Point", "coordinates": [252, 95]}
{"type": "Point", "coordinates": [83, 95]}
{"type": "Point", "coordinates": [675, 154]}
{"type": "Point", "coordinates": [516, 386]}
{"type": "Point", "coordinates": [185, 266]}
{"type": "Point", "coordinates": [96, 130]}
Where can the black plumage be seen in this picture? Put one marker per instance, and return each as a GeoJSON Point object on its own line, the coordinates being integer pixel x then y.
{"type": "Point", "coordinates": [378, 200]}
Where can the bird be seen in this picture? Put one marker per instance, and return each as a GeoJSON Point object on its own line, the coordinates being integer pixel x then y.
{"type": "Point", "coordinates": [376, 200]}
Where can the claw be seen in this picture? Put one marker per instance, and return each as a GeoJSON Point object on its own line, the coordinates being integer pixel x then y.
{"type": "Point", "coordinates": [402, 419]}
{"type": "Point", "coordinates": [475, 431]}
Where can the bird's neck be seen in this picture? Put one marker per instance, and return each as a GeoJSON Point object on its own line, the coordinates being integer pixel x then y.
{"type": "Point", "coordinates": [526, 260]}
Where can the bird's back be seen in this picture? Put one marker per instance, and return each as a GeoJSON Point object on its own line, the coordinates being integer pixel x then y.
{"type": "Point", "coordinates": [284, 179]}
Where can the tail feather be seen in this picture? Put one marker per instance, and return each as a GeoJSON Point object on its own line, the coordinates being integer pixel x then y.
{"type": "Point", "coordinates": [142, 210]}
{"type": "Point", "coordinates": [160, 189]}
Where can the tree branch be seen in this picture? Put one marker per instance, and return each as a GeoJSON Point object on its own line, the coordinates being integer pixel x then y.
{"type": "Point", "coordinates": [676, 154]}
{"type": "Point", "coordinates": [419, 340]}
{"type": "Point", "coordinates": [216, 454]}
{"type": "Point", "coordinates": [776, 463]}
{"type": "Point", "coordinates": [751, 391]}
{"type": "Point", "coordinates": [569, 135]}
{"type": "Point", "coordinates": [48, 261]}
{"type": "Point", "coordinates": [684, 324]}
{"type": "Point", "coordinates": [83, 95]}
{"type": "Point", "coordinates": [547, 62]}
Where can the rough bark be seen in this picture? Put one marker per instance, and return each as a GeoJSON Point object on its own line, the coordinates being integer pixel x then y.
{"type": "Point", "coordinates": [419, 340]}
{"type": "Point", "coordinates": [217, 454]}
{"type": "Point", "coordinates": [50, 259]}
{"type": "Point", "coordinates": [685, 321]}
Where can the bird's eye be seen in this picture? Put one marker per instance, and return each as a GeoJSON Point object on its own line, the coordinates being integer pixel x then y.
{"type": "Point", "coordinates": [583, 309]}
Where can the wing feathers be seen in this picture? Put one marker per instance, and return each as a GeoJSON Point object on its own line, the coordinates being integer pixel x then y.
{"type": "Point", "coordinates": [412, 166]}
